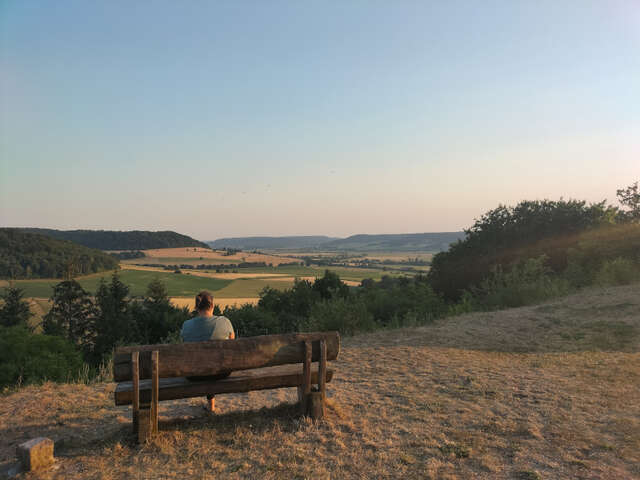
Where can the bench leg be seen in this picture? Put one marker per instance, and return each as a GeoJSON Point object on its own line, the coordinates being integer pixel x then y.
{"type": "Point", "coordinates": [211, 403]}
{"type": "Point", "coordinates": [316, 405]}
{"type": "Point", "coordinates": [144, 428]}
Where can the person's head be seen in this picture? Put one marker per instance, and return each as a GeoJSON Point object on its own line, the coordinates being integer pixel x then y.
{"type": "Point", "coordinates": [204, 303]}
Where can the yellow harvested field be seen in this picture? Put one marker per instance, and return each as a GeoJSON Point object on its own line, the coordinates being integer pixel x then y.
{"type": "Point", "coordinates": [223, 303]}
{"type": "Point", "coordinates": [212, 255]}
{"type": "Point", "coordinates": [542, 392]}
{"type": "Point", "coordinates": [199, 273]}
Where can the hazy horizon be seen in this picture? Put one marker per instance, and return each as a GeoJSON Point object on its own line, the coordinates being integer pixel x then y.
{"type": "Point", "coordinates": [239, 119]}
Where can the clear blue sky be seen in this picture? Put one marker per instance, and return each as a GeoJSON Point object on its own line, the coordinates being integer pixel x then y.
{"type": "Point", "coordinates": [222, 118]}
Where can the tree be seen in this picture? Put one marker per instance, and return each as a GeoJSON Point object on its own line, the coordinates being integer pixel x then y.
{"type": "Point", "coordinates": [72, 314]}
{"type": "Point", "coordinates": [630, 198]}
{"type": "Point", "coordinates": [112, 325]}
{"type": "Point", "coordinates": [15, 310]}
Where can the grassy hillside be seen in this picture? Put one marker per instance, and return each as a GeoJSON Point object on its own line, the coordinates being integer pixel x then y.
{"type": "Point", "coordinates": [29, 255]}
{"type": "Point", "coordinates": [118, 240]}
{"type": "Point", "coordinates": [541, 392]}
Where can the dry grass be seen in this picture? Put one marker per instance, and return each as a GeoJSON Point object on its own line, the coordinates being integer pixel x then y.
{"type": "Point", "coordinates": [223, 303]}
{"type": "Point", "coordinates": [548, 391]}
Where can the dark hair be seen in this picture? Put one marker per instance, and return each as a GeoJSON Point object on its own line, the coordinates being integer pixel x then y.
{"type": "Point", "coordinates": [204, 301]}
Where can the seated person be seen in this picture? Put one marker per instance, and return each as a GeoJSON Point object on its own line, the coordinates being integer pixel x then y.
{"type": "Point", "coordinates": [205, 326]}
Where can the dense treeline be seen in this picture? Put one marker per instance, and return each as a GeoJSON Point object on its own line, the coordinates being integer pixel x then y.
{"type": "Point", "coordinates": [29, 255]}
{"type": "Point", "coordinates": [559, 230]}
{"type": "Point", "coordinates": [329, 304]}
{"type": "Point", "coordinates": [116, 240]}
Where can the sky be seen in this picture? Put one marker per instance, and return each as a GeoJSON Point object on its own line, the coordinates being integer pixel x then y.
{"type": "Point", "coordinates": [235, 118]}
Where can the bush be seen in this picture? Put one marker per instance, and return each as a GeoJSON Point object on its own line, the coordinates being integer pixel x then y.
{"type": "Point", "coordinates": [30, 358]}
{"type": "Point", "coordinates": [525, 283]}
{"type": "Point", "coordinates": [345, 316]}
{"type": "Point", "coordinates": [619, 271]}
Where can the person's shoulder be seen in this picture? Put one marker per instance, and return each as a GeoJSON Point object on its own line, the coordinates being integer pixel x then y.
{"type": "Point", "coordinates": [222, 319]}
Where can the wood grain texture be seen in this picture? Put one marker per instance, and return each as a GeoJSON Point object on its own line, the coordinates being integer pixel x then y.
{"type": "Point", "coordinates": [237, 382]}
{"type": "Point", "coordinates": [322, 368]}
{"type": "Point", "coordinates": [155, 398]}
{"type": "Point", "coordinates": [220, 356]}
{"type": "Point", "coordinates": [136, 389]}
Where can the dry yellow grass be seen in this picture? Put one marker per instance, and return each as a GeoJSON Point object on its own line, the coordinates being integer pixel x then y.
{"type": "Point", "coordinates": [223, 303]}
{"type": "Point", "coordinates": [548, 391]}
{"type": "Point", "coordinates": [211, 255]}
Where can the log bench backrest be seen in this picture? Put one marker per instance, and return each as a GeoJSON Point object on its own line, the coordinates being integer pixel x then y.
{"type": "Point", "coordinates": [221, 356]}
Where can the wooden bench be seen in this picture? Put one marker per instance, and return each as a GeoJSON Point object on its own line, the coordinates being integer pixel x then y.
{"type": "Point", "coordinates": [149, 374]}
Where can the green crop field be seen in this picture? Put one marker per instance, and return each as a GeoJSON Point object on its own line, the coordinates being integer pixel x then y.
{"type": "Point", "coordinates": [251, 287]}
{"type": "Point", "coordinates": [178, 285]}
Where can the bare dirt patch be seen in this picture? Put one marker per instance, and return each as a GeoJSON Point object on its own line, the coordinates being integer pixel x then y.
{"type": "Point", "coordinates": [501, 395]}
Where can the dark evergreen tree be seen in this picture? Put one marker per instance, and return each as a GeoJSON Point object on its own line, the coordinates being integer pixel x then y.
{"type": "Point", "coordinates": [72, 314]}
{"type": "Point", "coordinates": [15, 310]}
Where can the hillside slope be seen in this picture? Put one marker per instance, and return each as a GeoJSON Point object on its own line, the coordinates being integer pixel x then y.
{"type": "Point", "coordinates": [271, 243]}
{"type": "Point", "coordinates": [121, 240]}
{"type": "Point", "coordinates": [29, 255]}
{"type": "Point", "coordinates": [548, 391]}
{"type": "Point", "coordinates": [410, 242]}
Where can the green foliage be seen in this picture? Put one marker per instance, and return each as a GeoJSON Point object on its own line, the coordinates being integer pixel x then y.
{"type": "Point", "coordinates": [618, 271]}
{"type": "Point", "coordinates": [72, 314]}
{"type": "Point", "coordinates": [328, 304]}
{"type": "Point", "coordinates": [507, 235]}
{"type": "Point", "coordinates": [525, 283]}
{"type": "Point", "coordinates": [28, 255]}
{"type": "Point", "coordinates": [630, 198]}
{"type": "Point", "coordinates": [114, 240]}
{"type": "Point", "coordinates": [347, 316]}
{"type": "Point", "coordinates": [594, 248]}
{"type": "Point", "coordinates": [29, 358]}
{"type": "Point", "coordinates": [15, 310]}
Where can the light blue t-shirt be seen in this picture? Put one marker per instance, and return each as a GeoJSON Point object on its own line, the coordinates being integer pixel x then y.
{"type": "Point", "coordinates": [201, 329]}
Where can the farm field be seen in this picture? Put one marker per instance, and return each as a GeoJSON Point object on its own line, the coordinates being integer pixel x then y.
{"type": "Point", "coordinates": [196, 256]}
{"type": "Point", "coordinates": [541, 392]}
{"type": "Point", "coordinates": [137, 280]}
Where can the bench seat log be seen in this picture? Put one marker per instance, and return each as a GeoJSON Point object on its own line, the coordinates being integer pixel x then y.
{"type": "Point", "coordinates": [237, 382]}
{"type": "Point", "coordinates": [220, 356]}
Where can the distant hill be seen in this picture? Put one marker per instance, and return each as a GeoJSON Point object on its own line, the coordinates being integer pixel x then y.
{"type": "Point", "coordinates": [404, 242]}
{"type": "Point", "coordinates": [31, 255]}
{"type": "Point", "coordinates": [116, 240]}
{"type": "Point", "coordinates": [272, 243]}
{"type": "Point", "coordinates": [410, 242]}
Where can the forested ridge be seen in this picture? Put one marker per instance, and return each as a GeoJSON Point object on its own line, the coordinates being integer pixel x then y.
{"type": "Point", "coordinates": [26, 255]}
{"type": "Point", "coordinates": [121, 240]}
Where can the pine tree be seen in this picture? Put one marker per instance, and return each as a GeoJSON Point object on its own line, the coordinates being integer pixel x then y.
{"type": "Point", "coordinates": [15, 310]}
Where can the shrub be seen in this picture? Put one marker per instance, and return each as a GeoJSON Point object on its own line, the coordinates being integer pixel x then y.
{"type": "Point", "coordinates": [347, 316]}
{"type": "Point", "coordinates": [30, 358]}
{"type": "Point", "coordinates": [619, 271]}
{"type": "Point", "coordinates": [525, 283]}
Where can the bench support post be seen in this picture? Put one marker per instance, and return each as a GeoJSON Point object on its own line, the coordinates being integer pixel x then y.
{"type": "Point", "coordinates": [155, 391]}
{"type": "Point", "coordinates": [135, 403]}
{"type": "Point", "coordinates": [305, 389]}
{"type": "Point", "coordinates": [317, 399]}
{"type": "Point", "coordinates": [145, 416]}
